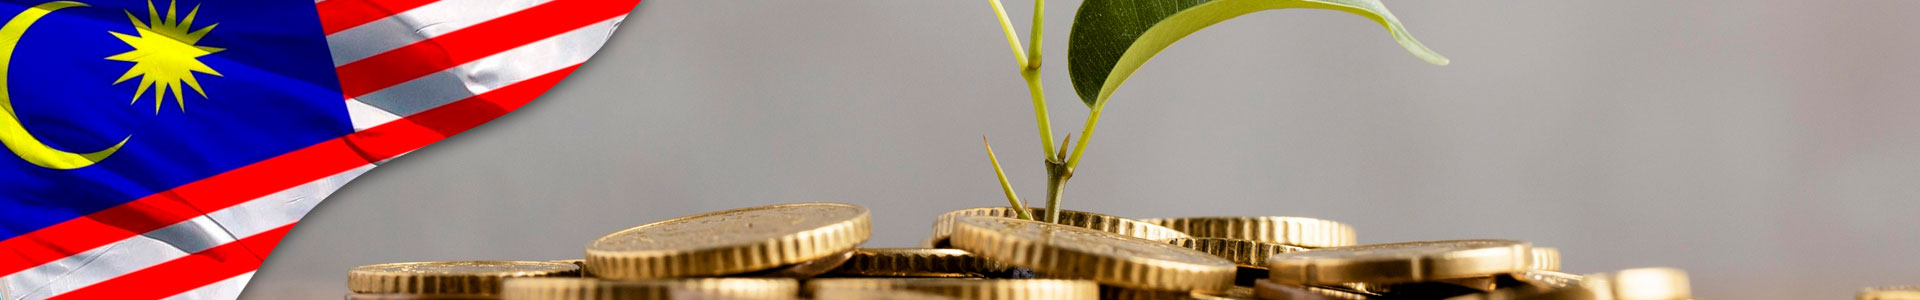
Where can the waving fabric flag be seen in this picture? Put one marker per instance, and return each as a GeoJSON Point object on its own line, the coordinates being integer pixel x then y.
{"type": "Point", "coordinates": [161, 148]}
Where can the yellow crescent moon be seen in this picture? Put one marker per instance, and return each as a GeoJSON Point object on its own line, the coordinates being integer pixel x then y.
{"type": "Point", "coordinates": [14, 135]}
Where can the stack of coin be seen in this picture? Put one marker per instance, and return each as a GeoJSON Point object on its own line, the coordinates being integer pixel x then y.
{"type": "Point", "coordinates": [812, 251]}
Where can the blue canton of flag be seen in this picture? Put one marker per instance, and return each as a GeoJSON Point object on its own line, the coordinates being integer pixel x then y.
{"type": "Point", "coordinates": [163, 148]}
{"type": "Point", "coordinates": [183, 90]}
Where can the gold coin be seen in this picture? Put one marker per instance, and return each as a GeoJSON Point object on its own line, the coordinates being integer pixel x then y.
{"type": "Point", "coordinates": [1074, 252]}
{"type": "Point", "coordinates": [858, 294]}
{"type": "Point", "coordinates": [1303, 232]}
{"type": "Point", "coordinates": [1440, 288]}
{"type": "Point", "coordinates": [358, 296]}
{"type": "Point", "coordinates": [1890, 293]}
{"type": "Point", "coordinates": [1120, 293]}
{"type": "Point", "coordinates": [479, 277]}
{"type": "Point", "coordinates": [1108, 292]}
{"type": "Point", "coordinates": [1548, 279]}
{"type": "Point", "coordinates": [806, 269]}
{"type": "Point", "coordinates": [1267, 289]}
{"type": "Point", "coordinates": [1535, 293]}
{"type": "Point", "coordinates": [963, 288]}
{"type": "Point", "coordinates": [650, 289]}
{"type": "Point", "coordinates": [943, 225]}
{"type": "Point", "coordinates": [1399, 262]}
{"type": "Point", "coordinates": [1545, 259]}
{"type": "Point", "coordinates": [1234, 293]}
{"type": "Point", "coordinates": [916, 262]}
{"type": "Point", "coordinates": [1246, 253]}
{"type": "Point", "coordinates": [582, 263]}
{"type": "Point", "coordinates": [730, 242]}
{"type": "Point", "coordinates": [1640, 284]}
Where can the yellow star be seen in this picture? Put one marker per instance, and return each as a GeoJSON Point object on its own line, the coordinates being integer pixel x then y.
{"type": "Point", "coordinates": [165, 55]}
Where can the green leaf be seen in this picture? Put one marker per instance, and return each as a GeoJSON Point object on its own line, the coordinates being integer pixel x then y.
{"type": "Point", "coordinates": [1113, 38]}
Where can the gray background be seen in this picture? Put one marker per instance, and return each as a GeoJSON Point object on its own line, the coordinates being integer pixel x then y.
{"type": "Point", "coordinates": [1767, 147]}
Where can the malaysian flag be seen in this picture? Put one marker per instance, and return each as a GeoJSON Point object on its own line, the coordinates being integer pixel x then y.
{"type": "Point", "coordinates": [161, 148]}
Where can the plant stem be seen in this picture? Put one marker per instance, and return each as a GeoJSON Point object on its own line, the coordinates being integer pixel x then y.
{"type": "Point", "coordinates": [1013, 39]}
{"type": "Point", "coordinates": [1093, 118]}
{"type": "Point", "coordinates": [1057, 175]}
{"type": "Point", "coordinates": [1033, 42]}
{"type": "Point", "coordinates": [1039, 106]}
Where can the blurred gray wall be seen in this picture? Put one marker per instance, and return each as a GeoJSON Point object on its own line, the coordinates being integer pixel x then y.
{"type": "Point", "coordinates": [1768, 147]}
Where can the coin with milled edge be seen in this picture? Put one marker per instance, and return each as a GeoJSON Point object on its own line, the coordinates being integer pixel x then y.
{"type": "Point", "coordinates": [1890, 293]}
{"type": "Point", "coordinates": [1267, 289]}
{"type": "Point", "coordinates": [1640, 284]}
{"type": "Point", "coordinates": [1400, 262]}
{"type": "Point", "coordinates": [1545, 259]}
{"type": "Point", "coordinates": [1074, 252]}
{"type": "Point", "coordinates": [479, 277]}
{"type": "Point", "coordinates": [943, 225]}
{"type": "Point", "coordinates": [804, 270]}
{"type": "Point", "coordinates": [917, 262]}
{"type": "Point", "coordinates": [1296, 231]}
{"type": "Point", "coordinates": [964, 288]}
{"type": "Point", "coordinates": [730, 242]}
{"type": "Point", "coordinates": [650, 289]}
{"type": "Point", "coordinates": [358, 296]}
{"type": "Point", "coordinates": [1246, 253]}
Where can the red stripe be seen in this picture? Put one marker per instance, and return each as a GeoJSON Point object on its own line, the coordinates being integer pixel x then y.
{"type": "Point", "coordinates": [338, 15]}
{"type": "Point", "coordinates": [186, 273]}
{"type": "Point", "coordinates": [268, 176]}
{"type": "Point", "coordinates": [475, 42]}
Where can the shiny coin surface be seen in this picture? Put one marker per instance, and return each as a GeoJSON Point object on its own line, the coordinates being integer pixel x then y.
{"type": "Point", "coordinates": [919, 262]}
{"type": "Point", "coordinates": [1267, 289]}
{"type": "Point", "coordinates": [480, 277]}
{"type": "Point", "coordinates": [1640, 284]}
{"type": "Point", "coordinates": [1246, 253]}
{"type": "Point", "coordinates": [650, 289]}
{"type": "Point", "coordinates": [943, 225]}
{"type": "Point", "coordinates": [730, 242]}
{"type": "Point", "coordinates": [963, 288]}
{"type": "Point", "coordinates": [1890, 293]}
{"type": "Point", "coordinates": [1545, 259]}
{"type": "Point", "coordinates": [1074, 252]}
{"type": "Point", "coordinates": [1296, 231]}
{"type": "Point", "coordinates": [1399, 262]}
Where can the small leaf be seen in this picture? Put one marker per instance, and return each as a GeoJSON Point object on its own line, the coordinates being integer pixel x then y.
{"type": "Point", "coordinates": [1113, 38]}
{"type": "Point", "coordinates": [1019, 207]}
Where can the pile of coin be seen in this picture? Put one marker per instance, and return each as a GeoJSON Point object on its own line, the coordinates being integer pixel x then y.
{"type": "Point", "coordinates": [812, 251]}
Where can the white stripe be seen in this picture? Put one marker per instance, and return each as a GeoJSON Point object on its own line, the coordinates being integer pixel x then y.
{"type": "Point", "coordinates": [266, 213]}
{"type": "Point", "coordinates": [175, 241]}
{"type": "Point", "coordinates": [492, 72]}
{"type": "Point", "coordinates": [225, 289]}
{"type": "Point", "coordinates": [366, 116]}
{"type": "Point", "coordinates": [285, 207]}
{"type": "Point", "coordinates": [418, 24]}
